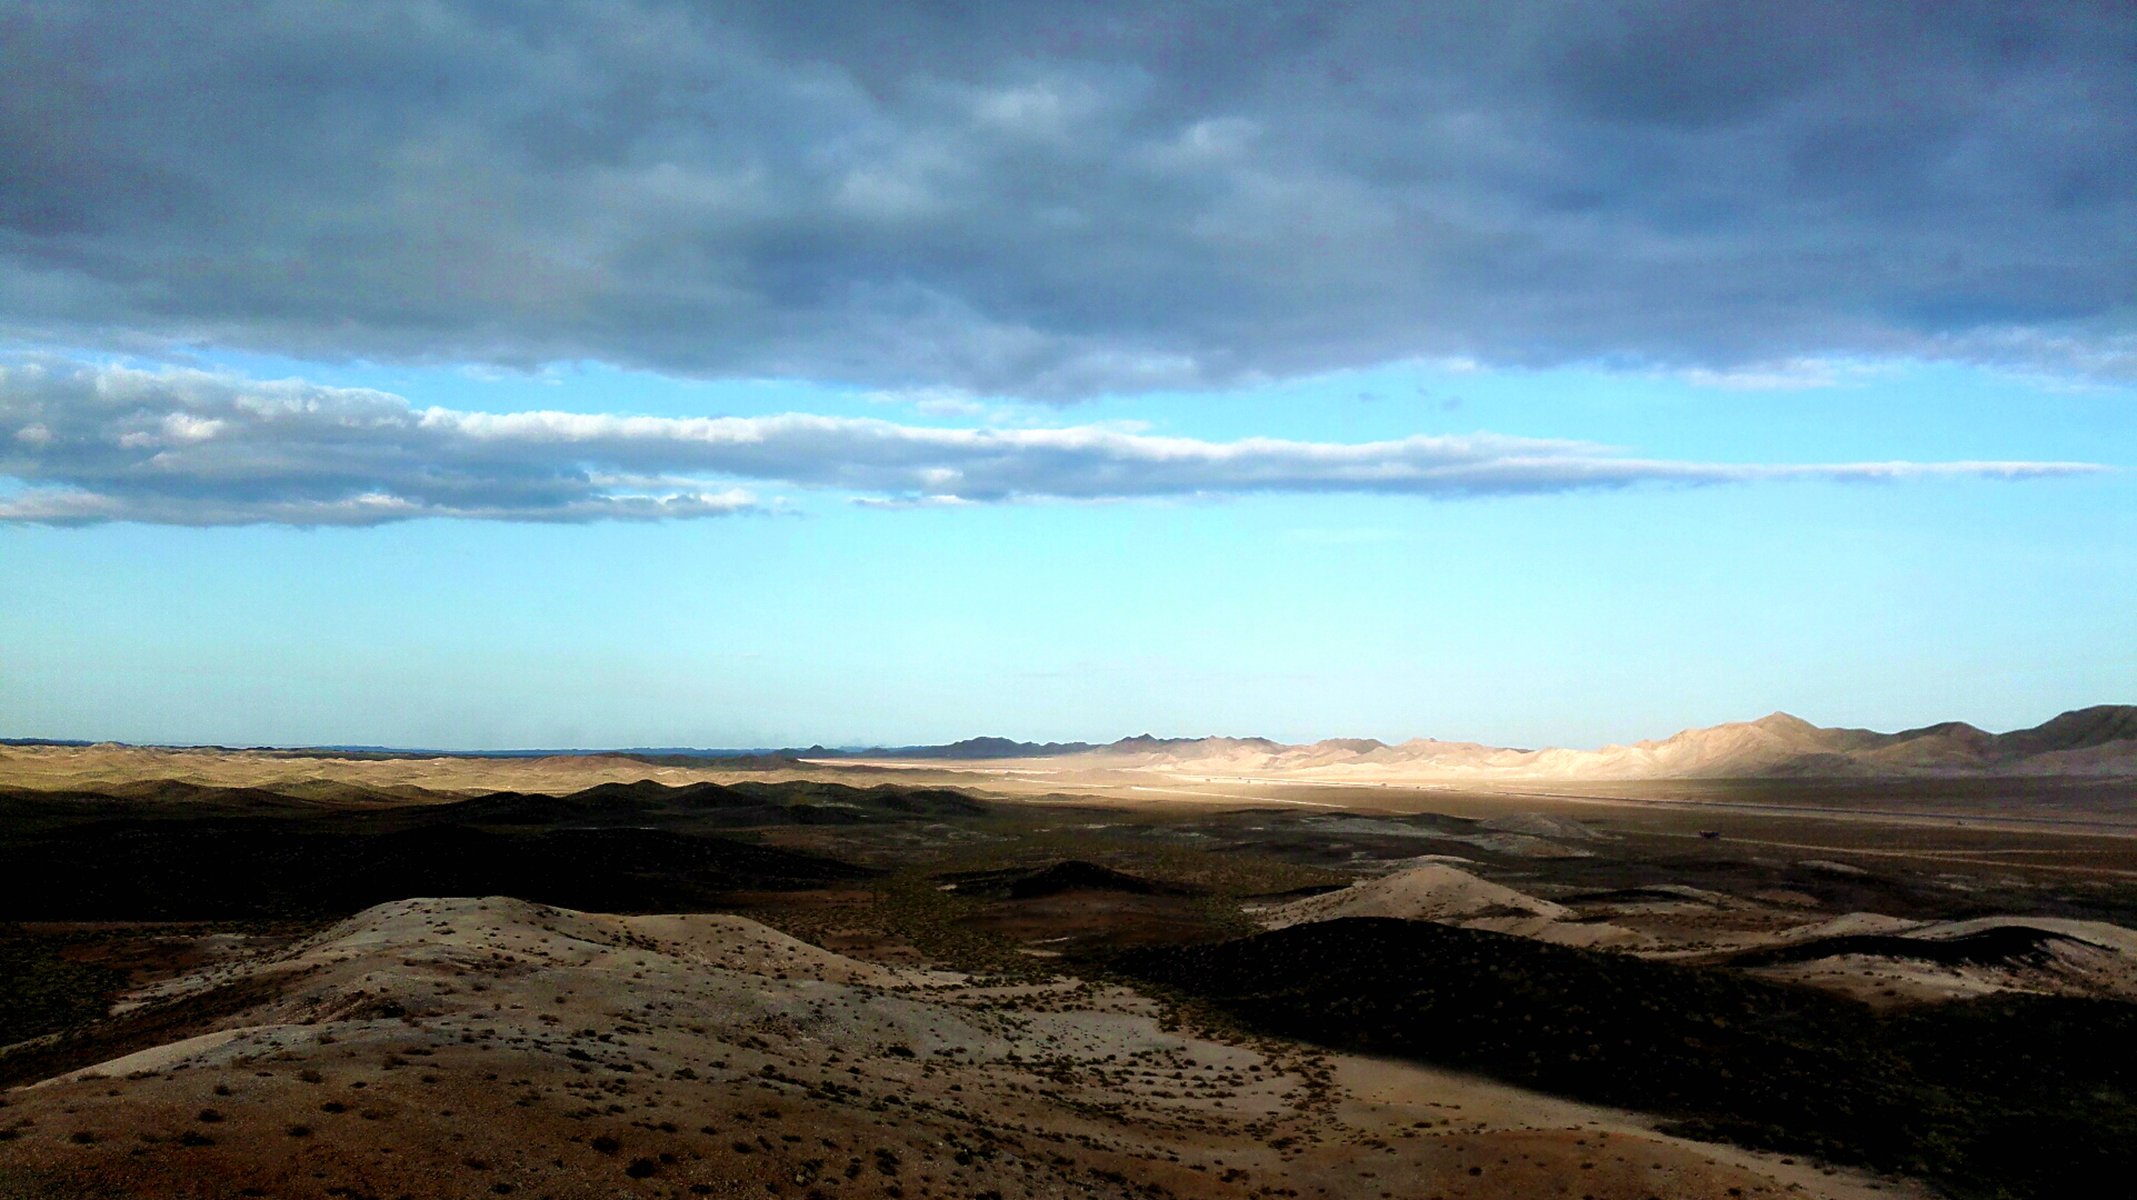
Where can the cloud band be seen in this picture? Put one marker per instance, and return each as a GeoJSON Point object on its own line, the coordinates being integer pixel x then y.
{"type": "Point", "coordinates": [95, 442]}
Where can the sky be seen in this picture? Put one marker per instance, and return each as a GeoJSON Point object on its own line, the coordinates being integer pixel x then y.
{"type": "Point", "coordinates": [640, 373]}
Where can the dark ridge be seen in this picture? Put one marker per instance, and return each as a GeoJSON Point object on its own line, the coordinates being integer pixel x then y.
{"type": "Point", "coordinates": [156, 1024]}
{"type": "Point", "coordinates": [533, 808]}
{"type": "Point", "coordinates": [1076, 876]}
{"type": "Point", "coordinates": [2001, 945]}
{"type": "Point", "coordinates": [2073, 730]}
{"type": "Point", "coordinates": [985, 747]}
{"type": "Point", "coordinates": [173, 791]}
{"type": "Point", "coordinates": [1145, 741]}
{"type": "Point", "coordinates": [882, 798]}
{"type": "Point", "coordinates": [726, 761]}
{"type": "Point", "coordinates": [179, 799]}
{"type": "Point", "coordinates": [1958, 731]}
{"type": "Point", "coordinates": [1300, 893]}
{"type": "Point", "coordinates": [2011, 1096]}
{"type": "Point", "coordinates": [1631, 895]}
{"type": "Point", "coordinates": [1070, 875]}
{"type": "Point", "coordinates": [749, 803]}
{"type": "Point", "coordinates": [131, 869]}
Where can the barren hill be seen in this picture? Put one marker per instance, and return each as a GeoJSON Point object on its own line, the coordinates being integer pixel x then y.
{"type": "Point", "coordinates": [467, 1048]}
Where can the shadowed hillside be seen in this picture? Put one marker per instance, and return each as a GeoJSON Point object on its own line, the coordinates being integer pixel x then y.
{"type": "Point", "coordinates": [175, 851]}
{"type": "Point", "coordinates": [2015, 1095]}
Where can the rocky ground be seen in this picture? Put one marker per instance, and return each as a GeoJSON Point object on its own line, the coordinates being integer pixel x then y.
{"type": "Point", "coordinates": [484, 1047]}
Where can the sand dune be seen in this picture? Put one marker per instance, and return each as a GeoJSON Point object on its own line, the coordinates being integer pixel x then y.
{"type": "Point", "coordinates": [1437, 891]}
{"type": "Point", "coordinates": [1432, 892]}
{"type": "Point", "coordinates": [1884, 957]}
{"type": "Point", "coordinates": [478, 1047]}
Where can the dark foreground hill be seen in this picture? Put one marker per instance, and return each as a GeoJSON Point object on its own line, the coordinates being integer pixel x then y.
{"type": "Point", "coordinates": [174, 851]}
{"type": "Point", "coordinates": [733, 806]}
{"type": "Point", "coordinates": [231, 869]}
{"type": "Point", "coordinates": [2007, 1096]}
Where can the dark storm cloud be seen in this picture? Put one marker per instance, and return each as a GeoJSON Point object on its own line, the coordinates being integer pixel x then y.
{"type": "Point", "coordinates": [97, 442]}
{"type": "Point", "coordinates": [1056, 200]}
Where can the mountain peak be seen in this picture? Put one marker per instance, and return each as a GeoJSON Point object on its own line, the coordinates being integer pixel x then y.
{"type": "Point", "coordinates": [1781, 722]}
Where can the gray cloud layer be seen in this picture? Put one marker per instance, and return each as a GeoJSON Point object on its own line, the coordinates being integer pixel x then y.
{"type": "Point", "coordinates": [104, 443]}
{"type": "Point", "coordinates": [1051, 200]}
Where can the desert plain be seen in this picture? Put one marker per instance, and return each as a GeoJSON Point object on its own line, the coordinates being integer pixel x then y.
{"type": "Point", "coordinates": [1762, 960]}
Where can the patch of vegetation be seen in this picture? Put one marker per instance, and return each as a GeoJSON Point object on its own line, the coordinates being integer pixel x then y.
{"type": "Point", "coordinates": [41, 991]}
{"type": "Point", "coordinates": [154, 1024]}
{"type": "Point", "coordinates": [909, 904]}
{"type": "Point", "coordinates": [2012, 1096]}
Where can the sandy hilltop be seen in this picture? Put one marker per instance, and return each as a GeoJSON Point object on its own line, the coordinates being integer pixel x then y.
{"type": "Point", "coordinates": [2097, 741]}
{"type": "Point", "coordinates": [478, 1046]}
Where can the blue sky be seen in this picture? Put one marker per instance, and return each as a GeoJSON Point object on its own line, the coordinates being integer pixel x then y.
{"type": "Point", "coordinates": [1532, 376]}
{"type": "Point", "coordinates": [1572, 618]}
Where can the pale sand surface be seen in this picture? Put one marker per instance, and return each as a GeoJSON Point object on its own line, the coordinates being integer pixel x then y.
{"type": "Point", "coordinates": [446, 1047]}
{"type": "Point", "coordinates": [1438, 891]}
{"type": "Point", "coordinates": [1434, 891]}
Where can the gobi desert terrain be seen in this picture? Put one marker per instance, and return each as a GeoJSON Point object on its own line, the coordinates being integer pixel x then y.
{"type": "Point", "coordinates": [1758, 960]}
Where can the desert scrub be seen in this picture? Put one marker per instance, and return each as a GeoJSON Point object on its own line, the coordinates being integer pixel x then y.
{"type": "Point", "coordinates": [911, 905]}
{"type": "Point", "coordinates": [42, 992]}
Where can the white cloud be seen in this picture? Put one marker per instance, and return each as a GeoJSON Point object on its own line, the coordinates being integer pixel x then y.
{"type": "Point", "coordinates": [189, 447]}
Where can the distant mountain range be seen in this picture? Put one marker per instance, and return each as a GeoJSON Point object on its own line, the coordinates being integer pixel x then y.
{"type": "Point", "coordinates": [2097, 741]}
{"type": "Point", "coordinates": [2088, 742]}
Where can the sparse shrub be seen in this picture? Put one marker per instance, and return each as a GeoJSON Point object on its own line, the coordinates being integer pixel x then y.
{"type": "Point", "coordinates": [299, 1131]}
{"type": "Point", "coordinates": [210, 1115]}
{"type": "Point", "coordinates": [606, 1144]}
{"type": "Point", "coordinates": [641, 1168]}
